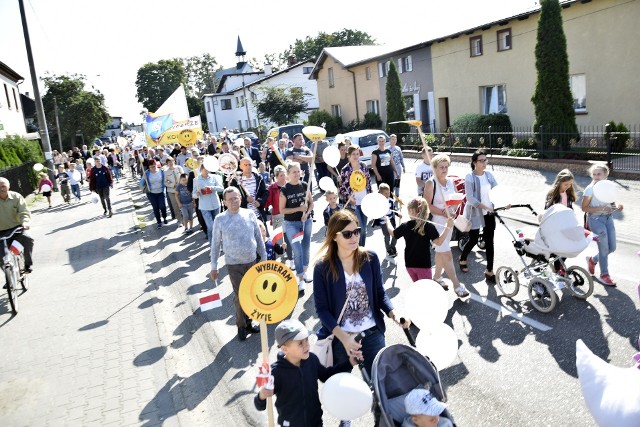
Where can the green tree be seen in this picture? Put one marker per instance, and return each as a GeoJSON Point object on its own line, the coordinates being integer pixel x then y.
{"type": "Point", "coordinates": [196, 108]}
{"type": "Point", "coordinates": [280, 105]}
{"type": "Point", "coordinates": [79, 110]}
{"type": "Point", "coordinates": [200, 74]}
{"type": "Point", "coordinates": [395, 102]}
{"type": "Point", "coordinates": [552, 98]}
{"type": "Point", "coordinates": [333, 124]}
{"type": "Point", "coordinates": [156, 82]}
{"type": "Point", "coordinates": [311, 47]}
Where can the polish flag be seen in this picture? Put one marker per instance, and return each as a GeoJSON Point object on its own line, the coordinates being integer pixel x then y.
{"type": "Point", "coordinates": [455, 199]}
{"type": "Point", "coordinates": [210, 300]}
{"type": "Point", "coordinates": [277, 237]}
{"type": "Point", "coordinates": [16, 247]}
{"type": "Point", "coordinates": [297, 238]}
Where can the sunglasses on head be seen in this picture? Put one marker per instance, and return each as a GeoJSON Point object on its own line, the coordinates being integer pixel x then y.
{"type": "Point", "coordinates": [347, 234]}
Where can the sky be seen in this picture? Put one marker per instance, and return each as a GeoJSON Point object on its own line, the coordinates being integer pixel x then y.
{"type": "Point", "coordinates": [109, 41]}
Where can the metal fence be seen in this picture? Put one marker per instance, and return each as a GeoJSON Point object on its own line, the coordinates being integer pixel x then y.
{"type": "Point", "coordinates": [620, 149]}
{"type": "Point", "coordinates": [21, 178]}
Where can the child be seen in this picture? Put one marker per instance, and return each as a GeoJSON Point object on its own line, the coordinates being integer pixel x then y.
{"type": "Point", "coordinates": [295, 377]}
{"type": "Point", "coordinates": [185, 202]}
{"type": "Point", "coordinates": [385, 190]}
{"type": "Point", "coordinates": [63, 180]}
{"type": "Point", "coordinates": [80, 168]}
{"type": "Point", "coordinates": [271, 248]}
{"type": "Point", "coordinates": [44, 180]}
{"type": "Point", "coordinates": [332, 199]}
{"type": "Point", "coordinates": [262, 170]}
{"type": "Point", "coordinates": [424, 171]}
{"type": "Point", "coordinates": [418, 234]}
{"type": "Point", "coordinates": [424, 410]}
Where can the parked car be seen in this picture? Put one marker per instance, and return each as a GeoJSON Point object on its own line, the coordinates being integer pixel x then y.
{"type": "Point", "coordinates": [255, 142]}
{"type": "Point", "coordinates": [290, 130]}
{"type": "Point", "coordinates": [367, 140]}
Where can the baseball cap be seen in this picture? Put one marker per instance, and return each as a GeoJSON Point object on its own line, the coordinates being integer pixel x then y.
{"type": "Point", "coordinates": [422, 402]}
{"type": "Point", "coordinates": [290, 330]}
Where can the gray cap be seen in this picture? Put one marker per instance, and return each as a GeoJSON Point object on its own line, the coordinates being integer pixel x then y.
{"type": "Point", "coordinates": [422, 402]}
{"type": "Point", "coordinates": [289, 330]}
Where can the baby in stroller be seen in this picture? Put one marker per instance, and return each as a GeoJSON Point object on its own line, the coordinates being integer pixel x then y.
{"type": "Point", "coordinates": [423, 410]}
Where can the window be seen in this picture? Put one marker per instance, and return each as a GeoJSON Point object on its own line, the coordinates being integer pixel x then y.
{"type": "Point", "coordinates": [494, 99]}
{"type": "Point", "coordinates": [373, 106]}
{"type": "Point", "coordinates": [15, 99]}
{"type": "Point", "coordinates": [367, 72]}
{"type": "Point", "coordinates": [405, 64]}
{"type": "Point", "coordinates": [306, 70]}
{"type": "Point", "coordinates": [240, 124]}
{"type": "Point", "coordinates": [208, 107]}
{"type": "Point", "coordinates": [226, 104]}
{"type": "Point", "coordinates": [578, 83]}
{"type": "Point", "coordinates": [504, 40]}
{"type": "Point", "coordinates": [332, 82]}
{"type": "Point", "coordinates": [6, 92]}
{"type": "Point", "coordinates": [476, 45]}
{"type": "Point", "coordinates": [383, 68]}
{"type": "Point", "coordinates": [336, 111]}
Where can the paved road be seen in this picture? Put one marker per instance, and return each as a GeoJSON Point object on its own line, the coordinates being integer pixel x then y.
{"type": "Point", "coordinates": [130, 323]}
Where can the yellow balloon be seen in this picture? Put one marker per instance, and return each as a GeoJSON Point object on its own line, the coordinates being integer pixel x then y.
{"type": "Point", "coordinates": [314, 133]}
{"type": "Point", "coordinates": [358, 181]}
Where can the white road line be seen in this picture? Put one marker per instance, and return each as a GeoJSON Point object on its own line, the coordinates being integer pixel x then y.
{"type": "Point", "coordinates": [506, 312]}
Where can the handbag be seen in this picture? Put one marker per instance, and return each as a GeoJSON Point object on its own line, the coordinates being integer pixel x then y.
{"type": "Point", "coordinates": [323, 347]}
{"type": "Point", "coordinates": [462, 222]}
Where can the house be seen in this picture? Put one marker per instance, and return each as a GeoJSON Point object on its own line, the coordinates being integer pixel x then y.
{"type": "Point", "coordinates": [11, 115]}
{"type": "Point", "coordinates": [232, 104]}
{"type": "Point", "coordinates": [114, 127]}
{"type": "Point", "coordinates": [29, 112]}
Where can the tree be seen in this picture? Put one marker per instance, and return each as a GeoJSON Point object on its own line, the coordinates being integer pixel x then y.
{"type": "Point", "coordinates": [196, 108]}
{"type": "Point", "coordinates": [552, 98]}
{"type": "Point", "coordinates": [395, 103]}
{"type": "Point", "coordinates": [280, 105]}
{"type": "Point", "coordinates": [200, 74]}
{"type": "Point", "coordinates": [156, 82]}
{"type": "Point", "coordinates": [78, 110]}
{"type": "Point", "coordinates": [333, 124]}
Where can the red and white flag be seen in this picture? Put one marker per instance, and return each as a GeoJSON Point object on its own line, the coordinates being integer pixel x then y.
{"type": "Point", "coordinates": [297, 238]}
{"type": "Point", "coordinates": [455, 199]}
{"type": "Point", "coordinates": [277, 238]}
{"type": "Point", "coordinates": [210, 300]}
{"type": "Point", "coordinates": [16, 247]}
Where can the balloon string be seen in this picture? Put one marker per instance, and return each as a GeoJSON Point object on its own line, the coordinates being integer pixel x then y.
{"type": "Point", "coordinates": [424, 220]}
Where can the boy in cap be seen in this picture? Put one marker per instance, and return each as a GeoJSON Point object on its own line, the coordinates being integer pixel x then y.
{"type": "Point", "coordinates": [295, 378]}
{"type": "Point", "coordinates": [424, 410]}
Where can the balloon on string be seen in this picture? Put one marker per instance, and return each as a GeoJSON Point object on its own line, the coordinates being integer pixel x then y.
{"type": "Point", "coordinates": [38, 167]}
{"type": "Point", "coordinates": [45, 188]}
{"type": "Point", "coordinates": [338, 139]}
{"type": "Point", "coordinates": [439, 343]}
{"type": "Point", "coordinates": [346, 396]}
{"type": "Point", "coordinates": [426, 303]}
{"type": "Point", "coordinates": [211, 164]}
{"type": "Point", "coordinates": [95, 198]}
{"type": "Point", "coordinates": [499, 196]}
{"type": "Point", "coordinates": [76, 175]}
{"type": "Point", "coordinates": [374, 205]}
{"type": "Point", "coordinates": [331, 156]}
{"type": "Point", "coordinates": [91, 162]}
{"type": "Point", "coordinates": [605, 191]}
{"type": "Point", "coordinates": [326, 183]}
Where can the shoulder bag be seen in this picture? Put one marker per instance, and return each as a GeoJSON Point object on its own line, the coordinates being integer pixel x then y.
{"type": "Point", "coordinates": [461, 222]}
{"type": "Point", "coordinates": [324, 348]}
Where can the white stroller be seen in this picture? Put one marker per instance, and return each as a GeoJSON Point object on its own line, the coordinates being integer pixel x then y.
{"type": "Point", "coordinates": [559, 236]}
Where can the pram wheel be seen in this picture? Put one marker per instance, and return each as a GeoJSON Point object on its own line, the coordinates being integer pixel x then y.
{"type": "Point", "coordinates": [542, 295]}
{"type": "Point", "coordinates": [580, 283]}
{"type": "Point", "coordinates": [462, 241]}
{"type": "Point", "coordinates": [507, 280]}
{"type": "Point", "coordinates": [482, 245]}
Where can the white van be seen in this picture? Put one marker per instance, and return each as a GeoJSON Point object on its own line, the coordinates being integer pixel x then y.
{"type": "Point", "coordinates": [367, 140]}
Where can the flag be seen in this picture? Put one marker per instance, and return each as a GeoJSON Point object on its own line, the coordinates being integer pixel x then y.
{"type": "Point", "coordinates": [455, 199]}
{"type": "Point", "coordinates": [16, 247]}
{"type": "Point", "coordinates": [185, 133]}
{"type": "Point", "coordinates": [176, 105]}
{"type": "Point", "coordinates": [297, 238]}
{"type": "Point", "coordinates": [277, 237]}
{"type": "Point", "coordinates": [157, 125]}
{"type": "Point", "coordinates": [210, 300]}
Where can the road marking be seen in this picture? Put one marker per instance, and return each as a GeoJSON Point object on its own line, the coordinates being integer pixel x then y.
{"type": "Point", "coordinates": [506, 312]}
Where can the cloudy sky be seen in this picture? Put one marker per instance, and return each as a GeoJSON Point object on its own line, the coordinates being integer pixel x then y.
{"type": "Point", "coordinates": [109, 41]}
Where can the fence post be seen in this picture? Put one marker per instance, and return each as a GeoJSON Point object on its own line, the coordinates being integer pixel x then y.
{"type": "Point", "coordinates": [609, 145]}
{"type": "Point", "coordinates": [490, 144]}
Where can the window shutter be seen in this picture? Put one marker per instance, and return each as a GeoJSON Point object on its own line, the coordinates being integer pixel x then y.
{"type": "Point", "coordinates": [400, 70]}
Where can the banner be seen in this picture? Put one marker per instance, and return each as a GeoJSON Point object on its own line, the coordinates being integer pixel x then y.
{"type": "Point", "coordinates": [185, 133]}
{"type": "Point", "coordinates": [173, 111]}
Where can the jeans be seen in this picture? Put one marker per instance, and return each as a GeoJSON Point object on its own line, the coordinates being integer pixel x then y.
{"type": "Point", "coordinates": [487, 234]}
{"type": "Point", "coordinates": [171, 201]}
{"type": "Point", "coordinates": [75, 189]}
{"type": "Point", "coordinates": [209, 216]}
{"type": "Point", "coordinates": [362, 222]}
{"type": "Point", "coordinates": [116, 172]}
{"type": "Point", "coordinates": [389, 240]}
{"type": "Point", "coordinates": [372, 343]}
{"type": "Point", "coordinates": [236, 273]}
{"type": "Point", "coordinates": [603, 227]}
{"type": "Point", "coordinates": [301, 248]}
{"type": "Point", "coordinates": [105, 199]}
{"type": "Point", "coordinates": [157, 202]}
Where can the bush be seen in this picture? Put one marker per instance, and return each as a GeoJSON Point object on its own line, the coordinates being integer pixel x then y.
{"type": "Point", "coordinates": [472, 130]}
{"type": "Point", "coordinates": [333, 125]}
{"type": "Point", "coordinates": [15, 150]}
{"type": "Point", "coordinates": [620, 135]}
{"type": "Point", "coordinates": [518, 152]}
{"type": "Point", "coordinates": [372, 121]}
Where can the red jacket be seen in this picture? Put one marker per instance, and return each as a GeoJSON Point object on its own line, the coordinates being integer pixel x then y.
{"type": "Point", "coordinates": [273, 199]}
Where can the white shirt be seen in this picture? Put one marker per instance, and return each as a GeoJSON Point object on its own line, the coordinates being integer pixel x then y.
{"type": "Point", "coordinates": [357, 316]}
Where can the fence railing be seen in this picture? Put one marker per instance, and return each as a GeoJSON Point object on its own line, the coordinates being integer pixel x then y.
{"type": "Point", "coordinates": [620, 149]}
{"type": "Point", "coordinates": [20, 178]}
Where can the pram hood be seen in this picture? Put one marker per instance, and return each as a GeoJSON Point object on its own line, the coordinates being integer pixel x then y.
{"type": "Point", "coordinates": [559, 234]}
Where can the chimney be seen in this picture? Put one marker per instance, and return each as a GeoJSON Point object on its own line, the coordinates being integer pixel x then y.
{"type": "Point", "coordinates": [291, 60]}
{"type": "Point", "coordinates": [268, 70]}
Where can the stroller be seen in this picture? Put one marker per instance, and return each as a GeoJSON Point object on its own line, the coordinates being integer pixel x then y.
{"type": "Point", "coordinates": [559, 236]}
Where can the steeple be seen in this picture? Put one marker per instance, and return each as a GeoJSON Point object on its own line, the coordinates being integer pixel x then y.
{"type": "Point", "coordinates": [240, 53]}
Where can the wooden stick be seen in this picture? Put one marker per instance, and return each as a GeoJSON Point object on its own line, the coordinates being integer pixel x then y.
{"type": "Point", "coordinates": [265, 359]}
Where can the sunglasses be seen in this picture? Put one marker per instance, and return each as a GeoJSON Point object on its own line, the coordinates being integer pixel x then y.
{"type": "Point", "coordinates": [350, 233]}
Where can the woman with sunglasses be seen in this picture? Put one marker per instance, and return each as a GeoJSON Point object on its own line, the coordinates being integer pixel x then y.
{"type": "Point", "coordinates": [349, 277]}
{"type": "Point", "coordinates": [477, 186]}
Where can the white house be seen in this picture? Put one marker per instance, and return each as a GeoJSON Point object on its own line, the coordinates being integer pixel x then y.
{"type": "Point", "coordinates": [114, 128]}
{"type": "Point", "coordinates": [11, 116]}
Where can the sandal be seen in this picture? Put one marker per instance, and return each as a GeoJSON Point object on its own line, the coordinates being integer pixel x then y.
{"type": "Point", "coordinates": [442, 283]}
{"type": "Point", "coordinates": [491, 278]}
{"type": "Point", "coordinates": [463, 267]}
{"type": "Point", "coordinates": [461, 291]}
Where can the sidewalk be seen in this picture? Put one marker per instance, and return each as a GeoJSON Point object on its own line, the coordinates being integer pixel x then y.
{"type": "Point", "coordinates": [84, 348]}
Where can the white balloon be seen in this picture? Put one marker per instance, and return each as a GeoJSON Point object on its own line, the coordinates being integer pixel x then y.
{"type": "Point", "coordinates": [605, 191]}
{"type": "Point", "coordinates": [95, 198]}
{"type": "Point", "coordinates": [331, 156]}
{"type": "Point", "coordinates": [46, 187]}
{"type": "Point", "coordinates": [38, 167]}
{"type": "Point", "coordinates": [499, 196]}
{"type": "Point", "coordinates": [326, 183]}
{"type": "Point", "coordinates": [76, 175]}
{"type": "Point", "coordinates": [439, 343]}
{"type": "Point", "coordinates": [346, 396]}
{"type": "Point", "coordinates": [91, 162]}
{"type": "Point", "coordinates": [338, 138]}
{"type": "Point", "coordinates": [426, 303]}
{"type": "Point", "coordinates": [375, 205]}
{"type": "Point", "coordinates": [211, 164]}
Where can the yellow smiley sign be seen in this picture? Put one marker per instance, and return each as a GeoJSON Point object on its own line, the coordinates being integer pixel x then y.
{"type": "Point", "coordinates": [186, 137]}
{"type": "Point", "coordinates": [268, 291]}
{"type": "Point", "coordinates": [358, 181]}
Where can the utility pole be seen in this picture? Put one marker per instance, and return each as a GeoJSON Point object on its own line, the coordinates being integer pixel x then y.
{"type": "Point", "coordinates": [55, 105]}
{"type": "Point", "coordinates": [42, 122]}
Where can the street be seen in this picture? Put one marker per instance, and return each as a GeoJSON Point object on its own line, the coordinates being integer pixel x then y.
{"type": "Point", "coordinates": [110, 332]}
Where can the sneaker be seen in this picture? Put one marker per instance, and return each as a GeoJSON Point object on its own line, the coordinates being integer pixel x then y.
{"type": "Point", "coordinates": [165, 221]}
{"type": "Point", "coordinates": [189, 230]}
{"type": "Point", "coordinates": [110, 214]}
{"type": "Point", "coordinates": [607, 280]}
{"type": "Point", "coordinates": [291, 265]}
{"type": "Point", "coordinates": [442, 283]}
{"type": "Point", "coordinates": [159, 226]}
{"type": "Point", "coordinates": [104, 213]}
{"type": "Point", "coordinates": [301, 287]}
{"type": "Point", "coordinates": [461, 291]}
{"type": "Point", "coordinates": [251, 328]}
{"type": "Point", "coordinates": [307, 278]}
{"type": "Point", "coordinates": [591, 265]}
{"type": "Point", "coordinates": [242, 334]}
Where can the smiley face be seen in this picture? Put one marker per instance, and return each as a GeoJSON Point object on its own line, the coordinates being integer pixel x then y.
{"type": "Point", "coordinates": [357, 181]}
{"type": "Point", "coordinates": [186, 137]}
{"type": "Point", "coordinates": [268, 291]}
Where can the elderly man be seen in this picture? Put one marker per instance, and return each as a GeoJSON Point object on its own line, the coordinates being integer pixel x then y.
{"type": "Point", "coordinates": [14, 213]}
{"type": "Point", "coordinates": [239, 253]}
{"type": "Point", "coordinates": [212, 147]}
{"type": "Point", "coordinates": [253, 188]}
{"type": "Point", "coordinates": [251, 152]}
